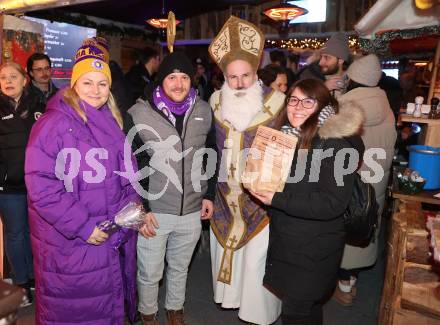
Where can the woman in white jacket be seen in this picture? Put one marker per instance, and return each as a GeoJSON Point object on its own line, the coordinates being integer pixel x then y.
{"type": "Point", "coordinates": [379, 131]}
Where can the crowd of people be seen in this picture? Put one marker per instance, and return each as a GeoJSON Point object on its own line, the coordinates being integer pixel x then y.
{"type": "Point", "coordinates": [65, 168]}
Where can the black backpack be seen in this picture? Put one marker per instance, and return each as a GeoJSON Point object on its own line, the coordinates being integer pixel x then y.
{"type": "Point", "coordinates": [361, 216]}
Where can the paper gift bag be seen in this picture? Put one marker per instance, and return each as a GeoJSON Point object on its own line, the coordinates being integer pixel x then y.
{"type": "Point", "coordinates": [269, 160]}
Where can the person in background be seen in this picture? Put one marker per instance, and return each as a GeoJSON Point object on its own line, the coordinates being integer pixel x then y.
{"type": "Point", "coordinates": [173, 112]}
{"type": "Point", "coordinates": [217, 78]}
{"type": "Point", "coordinates": [201, 80]}
{"type": "Point", "coordinates": [379, 132]}
{"type": "Point", "coordinates": [311, 70]}
{"type": "Point", "coordinates": [278, 57]}
{"type": "Point", "coordinates": [19, 109]}
{"type": "Point", "coordinates": [307, 232]}
{"type": "Point", "coordinates": [39, 69]}
{"type": "Point", "coordinates": [335, 58]}
{"type": "Point", "coordinates": [83, 274]}
{"type": "Point", "coordinates": [143, 72]}
{"type": "Point", "coordinates": [393, 91]}
{"type": "Point", "coordinates": [333, 61]}
{"type": "Point", "coordinates": [293, 63]}
{"type": "Point", "coordinates": [274, 76]}
{"type": "Point", "coordinates": [217, 81]}
{"type": "Point", "coordinates": [239, 228]}
{"type": "Point", "coordinates": [410, 87]}
{"type": "Point", "coordinates": [292, 68]}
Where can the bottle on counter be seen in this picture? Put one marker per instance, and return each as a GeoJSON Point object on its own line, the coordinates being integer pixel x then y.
{"type": "Point", "coordinates": [418, 108]}
{"type": "Point", "coordinates": [434, 112]}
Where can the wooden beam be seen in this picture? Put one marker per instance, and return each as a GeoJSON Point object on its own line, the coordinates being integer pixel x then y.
{"type": "Point", "coordinates": [434, 78]}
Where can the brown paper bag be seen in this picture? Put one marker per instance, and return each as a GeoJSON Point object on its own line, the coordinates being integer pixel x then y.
{"type": "Point", "coordinates": [269, 160]}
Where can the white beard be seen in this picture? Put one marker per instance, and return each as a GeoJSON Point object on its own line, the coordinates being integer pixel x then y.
{"type": "Point", "coordinates": [239, 107]}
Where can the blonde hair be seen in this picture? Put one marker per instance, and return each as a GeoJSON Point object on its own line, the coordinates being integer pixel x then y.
{"type": "Point", "coordinates": [16, 66]}
{"type": "Point", "coordinates": [73, 100]}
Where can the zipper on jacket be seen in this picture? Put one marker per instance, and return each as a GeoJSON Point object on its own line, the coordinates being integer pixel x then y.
{"type": "Point", "coordinates": [185, 124]}
{"type": "Point", "coordinates": [151, 103]}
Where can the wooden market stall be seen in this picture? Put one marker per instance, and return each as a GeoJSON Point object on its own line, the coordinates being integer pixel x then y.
{"type": "Point", "coordinates": [393, 26]}
{"type": "Point", "coordinates": [410, 292]}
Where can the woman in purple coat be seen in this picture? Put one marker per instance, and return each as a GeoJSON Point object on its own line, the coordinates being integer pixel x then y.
{"type": "Point", "coordinates": [83, 275]}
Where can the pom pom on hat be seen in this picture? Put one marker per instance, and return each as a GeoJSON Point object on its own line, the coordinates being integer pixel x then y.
{"type": "Point", "coordinates": [366, 70]}
{"type": "Point", "coordinates": [89, 58]}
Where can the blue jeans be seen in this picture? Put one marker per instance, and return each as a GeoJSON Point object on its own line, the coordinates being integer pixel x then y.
{"type": "Point", "coordinates": [13, 210]}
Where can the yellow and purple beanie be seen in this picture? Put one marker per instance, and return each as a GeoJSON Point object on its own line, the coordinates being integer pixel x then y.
{"type": "Point", "coordinates": [89, 58]}
{"type": "Point", "coordinates": [101, 43]}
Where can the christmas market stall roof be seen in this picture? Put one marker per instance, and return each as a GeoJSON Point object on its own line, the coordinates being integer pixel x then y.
{"type": "Point", "coordinates": [138, 11]}
{"type": "Point", "coordinates": [398, 26]}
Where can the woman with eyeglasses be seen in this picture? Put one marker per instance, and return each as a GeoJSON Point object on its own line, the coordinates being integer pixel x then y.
{"type": "Point", "coordinates": [19, 109]}
{"type": "Point", "coordinates": [307, 233]}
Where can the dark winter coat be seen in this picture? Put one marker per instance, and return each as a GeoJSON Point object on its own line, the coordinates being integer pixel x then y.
{"type": "Point", "coordinates": [15, 127]}
{"type": "Point", "coordinates": [307, 233]}
{"type": "Point", "coordinates": [43, 97]}
{"type": "Point", "coordinates": [137, 79]}
{"type": "Point", "coordinates": [119, 89]}
{"type": "Point", "coordinates": [311, 71]}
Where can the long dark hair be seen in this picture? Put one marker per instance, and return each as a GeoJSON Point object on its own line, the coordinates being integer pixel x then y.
{"type": "Point", "coordinates": [315, 89]}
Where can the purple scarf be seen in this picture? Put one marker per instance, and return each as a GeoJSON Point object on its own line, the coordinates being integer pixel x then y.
{"type": "Point", "coordinates": [167, 106]}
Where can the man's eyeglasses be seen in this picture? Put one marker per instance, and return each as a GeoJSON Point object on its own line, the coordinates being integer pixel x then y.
{"type": "Point", "coordinates": [45, 69]}
{"type": "Point", "coordinates": [306, 102]}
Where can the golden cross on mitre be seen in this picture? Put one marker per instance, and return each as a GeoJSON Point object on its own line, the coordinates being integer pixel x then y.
{"type": "Point", "coordinates": [171, 31]}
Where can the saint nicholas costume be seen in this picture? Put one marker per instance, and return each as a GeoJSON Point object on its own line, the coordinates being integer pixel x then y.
{"type": "Point", "coordinates": [239, 227]}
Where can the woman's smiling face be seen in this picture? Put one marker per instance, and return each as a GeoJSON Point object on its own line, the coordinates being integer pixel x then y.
{"type": "Point", "coordinates": [300, 107]}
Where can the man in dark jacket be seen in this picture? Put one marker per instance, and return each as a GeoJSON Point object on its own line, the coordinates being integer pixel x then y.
{"type": "Point", "coordinates": [143, 72]}
{"type": "Point", "coordinates": [39, 69]}
{"type": "Point", "coordinates": [173, 129]}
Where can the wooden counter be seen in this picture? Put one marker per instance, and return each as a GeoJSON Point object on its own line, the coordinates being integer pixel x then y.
{"type": "Point", "coordinates": [408, 295]}
{"type": "Point", "coordinates": [422, 197]}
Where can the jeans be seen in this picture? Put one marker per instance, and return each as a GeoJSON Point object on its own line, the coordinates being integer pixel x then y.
{"type": "Point", "coordinates": [175, 239]}
{"type": "Point", "coordinates": [13, 209]}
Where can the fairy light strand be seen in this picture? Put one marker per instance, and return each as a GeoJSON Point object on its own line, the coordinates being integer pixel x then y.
{"type": "Point", "coordinates": [313, 43]}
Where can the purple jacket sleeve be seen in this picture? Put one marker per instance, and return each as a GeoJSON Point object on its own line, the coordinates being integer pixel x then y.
{"type": "Point", "coordinates": [47, 194]}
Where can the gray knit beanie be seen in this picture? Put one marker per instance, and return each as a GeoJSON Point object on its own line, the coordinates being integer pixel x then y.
{"type": "Point", "coordinates": [337, 45]}
{"type": "Point", "coordinates": [366, 70]}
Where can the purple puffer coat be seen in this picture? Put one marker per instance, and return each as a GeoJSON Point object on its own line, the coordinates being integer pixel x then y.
{"type": "Point", "coordinates": [77, 282]}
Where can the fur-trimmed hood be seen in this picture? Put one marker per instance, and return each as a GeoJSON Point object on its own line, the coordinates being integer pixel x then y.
{"type": "Point", "coordinates": [347, 122]}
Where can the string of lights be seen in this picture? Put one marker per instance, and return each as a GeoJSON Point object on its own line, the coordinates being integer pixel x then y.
{"type": "Point", "coordinates": [313, 43]}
